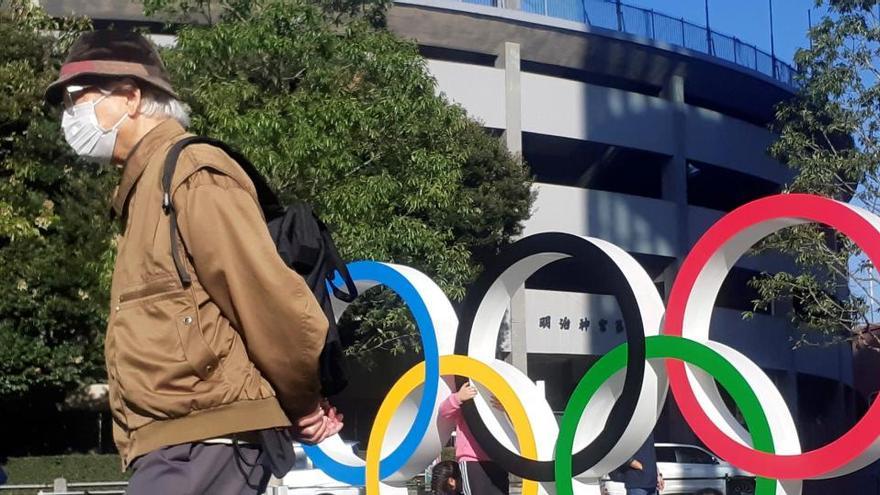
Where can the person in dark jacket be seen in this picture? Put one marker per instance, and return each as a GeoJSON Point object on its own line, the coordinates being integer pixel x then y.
{"type": "Point", "coordinates": [639, 474]}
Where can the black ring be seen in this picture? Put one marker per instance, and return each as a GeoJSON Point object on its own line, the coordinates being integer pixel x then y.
{"type": "Point", "coordinates": [624, 407]}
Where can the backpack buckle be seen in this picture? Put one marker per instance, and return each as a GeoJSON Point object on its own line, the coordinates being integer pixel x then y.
{"type": "Point", "coordinates": [166, 203]}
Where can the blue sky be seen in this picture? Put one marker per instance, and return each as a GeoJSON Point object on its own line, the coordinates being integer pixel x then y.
{"type": "Point", "coordinates": [748, 20]}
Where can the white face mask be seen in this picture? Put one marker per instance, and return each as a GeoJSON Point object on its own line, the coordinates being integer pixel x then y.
{"type": "Point", "coordinates": [86, 136]}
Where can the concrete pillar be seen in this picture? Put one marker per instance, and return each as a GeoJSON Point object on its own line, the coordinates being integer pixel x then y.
{"type": "Point", "coordinates": [59, 485]}
{"type": "Point", "coordinates": [789, 390]}
{"type": "Point", "coordinates": [510, 4]}
{"type": "Point", "coordinates": [675, 429]}
{"type": "Point", "coordinates": [674, 179]}
{"type": "Point", "coordinates": [674, 190]}
{"type": "Point", "coordinates": [508, 59]}
{"type": "Point", "coordinates": [518, 356]}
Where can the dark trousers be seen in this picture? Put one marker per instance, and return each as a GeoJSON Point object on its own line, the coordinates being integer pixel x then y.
{"type": "Point", "coordinates": [200, 468]}
{"type": "Point", "coordinates": [483, 478]}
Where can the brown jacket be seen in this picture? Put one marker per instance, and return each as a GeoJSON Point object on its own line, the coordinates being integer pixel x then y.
{"type": "Point", "coordinates": [235, 351]}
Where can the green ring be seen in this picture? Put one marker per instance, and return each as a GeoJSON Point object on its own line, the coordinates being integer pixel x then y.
{"type": "Point", "coordinates": [663, 346]}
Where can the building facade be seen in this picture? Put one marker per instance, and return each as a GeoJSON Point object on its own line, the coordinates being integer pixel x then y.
{"type": "Point", "coordinates": [634, 140]}
{"type": "Point", "coordinates": [641, 130]}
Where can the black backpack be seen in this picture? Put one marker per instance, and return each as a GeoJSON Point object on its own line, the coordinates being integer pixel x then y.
{"type": "Point", "coordinates": [303, 242]}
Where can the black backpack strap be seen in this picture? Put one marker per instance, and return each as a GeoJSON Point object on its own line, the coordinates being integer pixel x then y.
{"type": "Point", "coordinates": [168, 206]}
{"type": "Point", "coordinates": [338, 265]}
{"type": "Point", "coordinates": [267, 198]}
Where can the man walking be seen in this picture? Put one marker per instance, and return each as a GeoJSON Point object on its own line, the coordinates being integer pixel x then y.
{"type": "Point", "coordinates": [198, 363]}
{"type": "Point", "coordinates": [639, 474]}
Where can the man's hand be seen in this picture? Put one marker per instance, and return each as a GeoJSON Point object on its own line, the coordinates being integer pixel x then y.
{"type": "Point", "coordinates": [466, 392]}
{"type": "Point", "coordinates": [660, 483]}
{"type": "Point", "coordinates": [314, 428]}
{"type": "Point", "coordinates": [335, 418]}
{"type": "Point", "coordinates": [635, 464]}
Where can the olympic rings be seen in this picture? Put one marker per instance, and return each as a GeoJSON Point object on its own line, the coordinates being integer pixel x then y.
{"type": "Point", "coordinates": [458, 365]}
{"type": "Point", "coordinates": [610, 415]}
{"type": "Point", "coordinates": [689, 310]}
{"type": "Point", "coordinates": [411, 286]}
{"type": "Point", "coordinates": [483, 309]}
{"type": "Point", "coordinates": [662, 347]}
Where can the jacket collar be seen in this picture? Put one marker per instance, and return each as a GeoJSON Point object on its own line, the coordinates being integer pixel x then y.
{"type": "Point", "coordinates": [140, 156]}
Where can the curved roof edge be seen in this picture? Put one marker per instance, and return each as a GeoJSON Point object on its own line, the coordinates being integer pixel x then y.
{"type": "Point", "coordinates": [568, 45]}
{"type": "Point", "coordinates": [586, 28]}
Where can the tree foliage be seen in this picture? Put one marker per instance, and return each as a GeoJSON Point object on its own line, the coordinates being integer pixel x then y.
{"type": "Point", "coordinates": [347, 118]}
{"type": "Point", "coordinates": [333, 109]}
{"type": "Point", "coordinates": [829, 136]}
{"type": "Point", "coordinates": [54, 232]}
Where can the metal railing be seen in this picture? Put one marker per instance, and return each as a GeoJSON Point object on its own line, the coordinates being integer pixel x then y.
{"type": "Point", "coordinates": [660, 27]}
{"type": "Point", "coordinates": [61, 487]}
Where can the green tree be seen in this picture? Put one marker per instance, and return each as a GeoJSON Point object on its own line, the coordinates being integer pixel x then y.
{"type": "Point", "coordinates": [54, 231]}
{"type": "Point", "coordinates": [347, 117]}
{"type": "Point", "coordinates": [334, 109]}
{"type": "Point", "coordinates": [829, 136]}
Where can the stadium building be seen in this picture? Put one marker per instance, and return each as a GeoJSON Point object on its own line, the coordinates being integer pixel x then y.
{"type": "Point", "coordinates": [641, 130]}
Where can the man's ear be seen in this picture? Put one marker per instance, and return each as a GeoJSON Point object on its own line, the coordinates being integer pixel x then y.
{"type": "Point", "coordinates": [133, 100]}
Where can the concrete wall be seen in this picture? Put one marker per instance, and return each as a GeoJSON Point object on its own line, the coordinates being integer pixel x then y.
{"type": "Point", "coordinates": [479, 89]}
{"type": "Point", "coordinates": [636, 224]}
{"type": "Point", "coordinates": [572, 109]}
{"type": "Point", "coordinates": [718, 139]}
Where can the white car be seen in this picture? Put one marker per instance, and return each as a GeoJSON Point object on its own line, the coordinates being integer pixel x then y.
{"type": "Point", "coordinates": [688, 468]}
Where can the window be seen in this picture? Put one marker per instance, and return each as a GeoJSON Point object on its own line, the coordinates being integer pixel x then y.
{"type": "Point", "coordinates": [594, 78]}
{"type": "Point", "coordinates": [737, 293]}
{"type": "Point", "coordinates": [724, 189]}
{"type": "Point", "coordinates": [460, 56]}
{"type": "Point", "coordinates": [557, 275]}
{"type": "Point", "coordinates": [592, 165]}
{"type": "Point", "coordinates": [665, 454]}
{"type": "Point", "coordinates": [689, 455]}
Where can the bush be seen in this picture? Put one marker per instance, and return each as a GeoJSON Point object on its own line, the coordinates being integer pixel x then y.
{"type": "Point", "coordinates": [75, 468]}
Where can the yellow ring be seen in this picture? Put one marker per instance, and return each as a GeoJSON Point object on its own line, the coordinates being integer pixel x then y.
{"type": "Point", "coordinates": [450, 365]}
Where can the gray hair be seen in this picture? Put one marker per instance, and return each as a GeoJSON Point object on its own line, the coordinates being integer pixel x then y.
{"type": "Point", "coordinates": [156, 103]}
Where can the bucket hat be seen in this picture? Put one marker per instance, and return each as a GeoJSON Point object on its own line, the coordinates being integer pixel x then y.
{"type": "Point", "coordinates": [108, 54]}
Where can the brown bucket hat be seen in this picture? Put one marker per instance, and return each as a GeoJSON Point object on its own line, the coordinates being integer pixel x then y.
{"type": "Point", "coordinates": [107, 54]}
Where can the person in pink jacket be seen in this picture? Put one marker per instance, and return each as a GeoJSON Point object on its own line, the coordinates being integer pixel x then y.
{"type": "Point", "coordinates": [479, 475]}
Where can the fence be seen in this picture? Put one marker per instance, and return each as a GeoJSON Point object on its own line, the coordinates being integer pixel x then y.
{"type": "Point", "coordinates": [61, 487]}
{"type": "Point", "coordinates": [660, 27]}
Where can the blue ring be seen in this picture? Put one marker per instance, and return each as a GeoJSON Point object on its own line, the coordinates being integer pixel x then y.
{"type": "Point", "coordinates": [385, 275]}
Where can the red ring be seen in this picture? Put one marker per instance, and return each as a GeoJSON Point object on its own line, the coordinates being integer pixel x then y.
{"type": "Point", "coordinates": [812, 464]}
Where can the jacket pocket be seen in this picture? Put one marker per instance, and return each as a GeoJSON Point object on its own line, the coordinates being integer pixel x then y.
{"type": "Point", "coordinates": [200, 357]}
{"type": "Point", "coordinates": [141, 293]}
{"type": "Point", "coordinates": [164, 367]}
